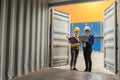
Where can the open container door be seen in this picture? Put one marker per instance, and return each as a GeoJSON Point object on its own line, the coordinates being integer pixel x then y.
{"type": "Point", "coordinates": [110, 37]}
{"type": "Point", "coordinates": [60, 48]}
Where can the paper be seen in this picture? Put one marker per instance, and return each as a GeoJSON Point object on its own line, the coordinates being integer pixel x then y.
{"type": "Point", "coordinates": [83, 38]}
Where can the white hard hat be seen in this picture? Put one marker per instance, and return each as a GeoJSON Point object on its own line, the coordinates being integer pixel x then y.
{"type": "Point", "coordinates": [87, 28]}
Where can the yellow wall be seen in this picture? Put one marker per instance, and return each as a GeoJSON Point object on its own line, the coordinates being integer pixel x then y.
{"type": "Point", "coordinates": [86, 12]}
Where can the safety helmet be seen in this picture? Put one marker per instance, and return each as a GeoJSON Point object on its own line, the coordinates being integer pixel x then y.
{"type": "Point", "coordinates": [76, 29]}
{"type": "Point", "coordinates": [87, 28]}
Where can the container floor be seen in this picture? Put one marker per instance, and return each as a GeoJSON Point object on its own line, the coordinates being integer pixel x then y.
{"type": "Point", "coordinates": [98, 63]}
{"type": "Point", "coordinates": [61, 74]}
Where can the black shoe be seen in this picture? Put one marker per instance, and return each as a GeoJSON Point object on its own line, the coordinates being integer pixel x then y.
{"type": "Point", "coordinates": [89, 70]}
{"type": "Point", "coordinates": [75, 69]}
{"type": "Point", "coordinates": [85, 70]}
{"type": "Point", "coordinates": [71, 69]}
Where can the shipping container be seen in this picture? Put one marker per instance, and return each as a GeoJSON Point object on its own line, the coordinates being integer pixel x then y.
{"type": "Point", "coordinates": [25, 36]}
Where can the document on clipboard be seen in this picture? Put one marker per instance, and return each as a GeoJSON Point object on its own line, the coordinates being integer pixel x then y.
{"type": "Point", "coordinates": [83, 38]}
{"type": "Point", "coordinates": [72, 40]}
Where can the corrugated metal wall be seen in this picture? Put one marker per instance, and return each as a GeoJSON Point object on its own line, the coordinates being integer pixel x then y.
{"type": "Point", "coordinates": [118, 37]}
{"type": "Point", "coordinates": [96, 30]}
{"type": "Point", "coordinates": [23, 37]}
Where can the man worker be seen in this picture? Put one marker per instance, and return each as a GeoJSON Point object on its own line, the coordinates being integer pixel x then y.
{"type": "Point", "coordinates": [87, 49]}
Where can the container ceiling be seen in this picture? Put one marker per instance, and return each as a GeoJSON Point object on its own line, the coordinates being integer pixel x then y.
{"type": "Point", "coordinates": [64, 2]}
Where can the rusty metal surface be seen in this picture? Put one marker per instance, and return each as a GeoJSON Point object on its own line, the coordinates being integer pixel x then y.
{"type": "Point", "coordinates": [61, 74]}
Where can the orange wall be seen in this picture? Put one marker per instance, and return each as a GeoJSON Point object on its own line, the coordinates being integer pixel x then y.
{"type": "Point", "coordinates": [86, 12]}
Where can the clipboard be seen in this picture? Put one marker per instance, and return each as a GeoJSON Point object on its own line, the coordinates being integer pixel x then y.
{"type": "Point", "coordinates": [83, 38]}
{"type": "Point", "coordinates": [72, 40]}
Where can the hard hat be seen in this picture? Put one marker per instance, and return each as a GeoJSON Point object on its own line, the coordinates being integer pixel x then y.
{"type": "Point", "coordinates": [87, 28]}
{"type": "Point", "coordinates": [76, 29]}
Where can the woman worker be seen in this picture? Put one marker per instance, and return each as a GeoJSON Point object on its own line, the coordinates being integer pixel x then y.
{"type": "Point", "coordinates": [75, 49]}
